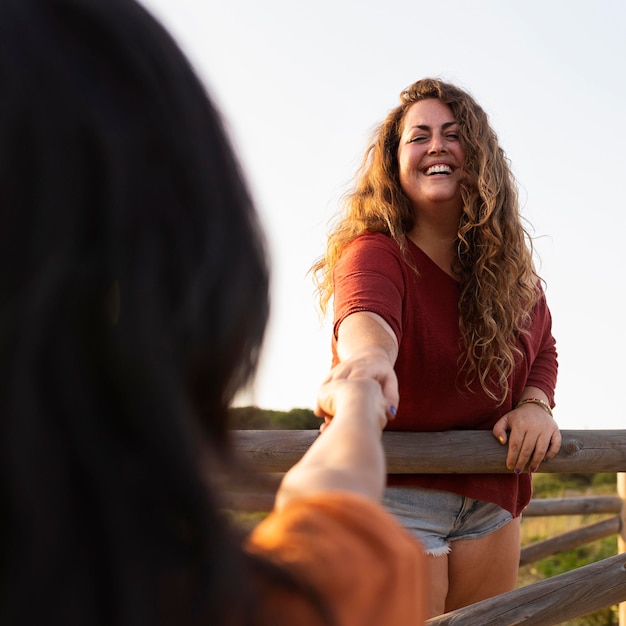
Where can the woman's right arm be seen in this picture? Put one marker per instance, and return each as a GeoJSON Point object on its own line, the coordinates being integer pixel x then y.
{"type": "Point", "coordinates": [367, 347]}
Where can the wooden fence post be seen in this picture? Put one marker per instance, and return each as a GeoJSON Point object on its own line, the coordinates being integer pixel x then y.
{"type": "Point", "coordinates": [621, 538]}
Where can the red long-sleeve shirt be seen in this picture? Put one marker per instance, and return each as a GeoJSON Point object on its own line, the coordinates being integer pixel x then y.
{"type": "Point", "coordinates": [422, 310]}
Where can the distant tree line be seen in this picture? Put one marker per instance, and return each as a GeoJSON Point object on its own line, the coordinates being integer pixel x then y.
{"type": "Point", "coordinates": [255, 418]}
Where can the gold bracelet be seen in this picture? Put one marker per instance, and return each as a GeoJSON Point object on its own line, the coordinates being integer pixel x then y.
{"type": "Point", "coordinates": [542, 403]}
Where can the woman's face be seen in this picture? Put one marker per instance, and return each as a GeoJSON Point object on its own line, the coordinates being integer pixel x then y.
{"type": "Point", "coordinates": [430, 157]}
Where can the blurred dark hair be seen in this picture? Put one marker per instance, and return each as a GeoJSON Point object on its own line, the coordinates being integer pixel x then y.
{"type": "Point", "coordinates": [133, 300]}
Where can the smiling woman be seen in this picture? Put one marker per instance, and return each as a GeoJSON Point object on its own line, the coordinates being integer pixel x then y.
{"type": "Point", "coordinates": [436, 298]}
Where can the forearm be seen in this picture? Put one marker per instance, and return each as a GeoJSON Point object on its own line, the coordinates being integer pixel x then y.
{"type": "Point", "coordinates": [366, 332]}
{"type": "Point", "coordinates": [535, 392]}
{"type": "Point", "coordinates": [367, 348]}
{"type": "Point", "coordinates": [348, 455]}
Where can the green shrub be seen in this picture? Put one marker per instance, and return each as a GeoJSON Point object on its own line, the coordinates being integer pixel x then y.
{"type": "Point", "coordinates": [565, 485]}
{"type": "Point", "coordinates": [254, 418]}
{"type": "Point", "coordinates": [604, 483]}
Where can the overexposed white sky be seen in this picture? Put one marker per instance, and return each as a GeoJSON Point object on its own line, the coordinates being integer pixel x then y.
{"type": "Point", "coordinates": [301, 86]}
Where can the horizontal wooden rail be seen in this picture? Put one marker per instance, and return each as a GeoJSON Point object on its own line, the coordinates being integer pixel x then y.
{"type": "Point", "coordinates": [548, 602]}
{"type": "Point", "coordinates": [452, 452]}
{"type": "Point", "coordinates": [263, 500]}
{"type": "Point", "coordinates": [248, 502]}
{"type": "Point", "coordinates": [570, 540]}
{"type": "Point", "coordinates": [581, 505]}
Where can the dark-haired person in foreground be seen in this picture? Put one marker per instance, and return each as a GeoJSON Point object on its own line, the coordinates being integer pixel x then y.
{"type": "Point", "coordinates": [133, 301]}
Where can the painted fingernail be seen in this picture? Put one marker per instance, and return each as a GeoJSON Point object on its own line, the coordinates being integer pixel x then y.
{"type": "Point", "coordinates": [518, 471]}
{"type": "Point", "coordinates": [393, 410]}
{"type": "Point", "coordinates": [501, 439]}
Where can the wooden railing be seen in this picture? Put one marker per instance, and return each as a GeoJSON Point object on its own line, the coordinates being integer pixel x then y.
{"type": "Point", "coordinates": [552, 601]}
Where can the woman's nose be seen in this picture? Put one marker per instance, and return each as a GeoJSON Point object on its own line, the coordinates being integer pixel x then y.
{"type": "Point", "coordinates": [437, 145]}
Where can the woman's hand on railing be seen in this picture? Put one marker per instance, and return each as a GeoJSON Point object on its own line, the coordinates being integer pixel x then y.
{"type": "Point", "coordinates": [532, 434]}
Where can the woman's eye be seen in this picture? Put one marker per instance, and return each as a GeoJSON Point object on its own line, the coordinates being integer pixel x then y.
{"type": "Point", "coordinates": [453, 136]}
{"type": "Point", "coordinates": [417, 139]}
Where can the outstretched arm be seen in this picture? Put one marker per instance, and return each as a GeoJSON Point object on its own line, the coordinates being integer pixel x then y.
{"type": "Point", "coordinates": [367, 347]}
{"type": "Point", "coordinates": [348, 455]}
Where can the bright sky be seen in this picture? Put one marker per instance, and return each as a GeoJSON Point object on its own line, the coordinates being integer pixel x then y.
{"type": "Point", "coordinates": [301, 86]}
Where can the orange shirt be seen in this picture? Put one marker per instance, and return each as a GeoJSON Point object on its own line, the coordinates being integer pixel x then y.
{"type": "Point", "coordinates": [365, 566]}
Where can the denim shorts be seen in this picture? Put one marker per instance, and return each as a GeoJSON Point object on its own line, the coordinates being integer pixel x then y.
{"type": "Point", "coordinates": [437, 518]}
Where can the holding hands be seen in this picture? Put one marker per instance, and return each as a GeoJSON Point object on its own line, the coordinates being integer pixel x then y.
{"type": "Point", "coordinates": [349, 456]}
{"type": "Point", "coordinates": [371, 364]}
{"type": "Point", "coordinates": [367, 349]}
{"type": "Point", "coordinates": [357, 399]}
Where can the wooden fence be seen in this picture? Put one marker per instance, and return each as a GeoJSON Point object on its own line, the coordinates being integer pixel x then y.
{"type": "Point", "coordinates": [552, 601]}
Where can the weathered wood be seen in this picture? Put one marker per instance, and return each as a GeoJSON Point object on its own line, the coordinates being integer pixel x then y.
{"type": "Point", "coordinates": [540, 507]}
{"type": "Point", "coordinates": [621, 493]}
{"type": "Point", "coordinates": [567, 541]}
{"type": "Point", "coordinates": [247, 502]}
{"type": "Point", "coordinates": [452, 452]}
{"type": "Point", "coordinates": [583, 505]}
{"type": "Point", "coordinates": [621, 538]}
{"type": "Point", "coordinates": [548, 602]}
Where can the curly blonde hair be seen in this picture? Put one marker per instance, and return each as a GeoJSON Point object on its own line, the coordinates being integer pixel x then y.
{"type": "Point", "coordinates": [494, 260]}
